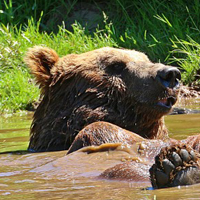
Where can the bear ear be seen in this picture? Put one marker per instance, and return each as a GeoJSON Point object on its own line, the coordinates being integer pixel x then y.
{"type": "Point", "coordinates": [40, 60]}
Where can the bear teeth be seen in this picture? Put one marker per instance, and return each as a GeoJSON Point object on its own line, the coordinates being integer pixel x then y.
{"type": "Point", "coordinates": [167, 102]}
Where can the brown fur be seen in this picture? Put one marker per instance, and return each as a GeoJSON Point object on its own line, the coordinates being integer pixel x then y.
{"type": "Point", "coordinates": [113, 85]}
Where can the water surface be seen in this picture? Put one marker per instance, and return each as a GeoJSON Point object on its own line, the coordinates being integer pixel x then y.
{"type": "Point", "coordinates": [52, 175]}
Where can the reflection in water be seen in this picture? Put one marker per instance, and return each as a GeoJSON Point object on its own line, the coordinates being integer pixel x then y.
{"type": "Point", "coordinates": [52, 175]}
{"type": "Point", "coordinates": [182, 126]}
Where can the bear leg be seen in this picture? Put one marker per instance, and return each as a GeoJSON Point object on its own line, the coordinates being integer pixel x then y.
{"type": "Point", "coordinates": [99, 133]}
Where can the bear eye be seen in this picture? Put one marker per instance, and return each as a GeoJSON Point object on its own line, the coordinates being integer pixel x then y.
{"type": "Point", "coordinates": [116, 68]}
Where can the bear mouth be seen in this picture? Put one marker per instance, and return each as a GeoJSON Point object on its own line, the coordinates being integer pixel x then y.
{"type": "Point", "coordinates": [167, 102]}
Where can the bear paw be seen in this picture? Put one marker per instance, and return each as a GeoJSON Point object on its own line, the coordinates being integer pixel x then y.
{"type": "Point", "coordinates": [175, 165]}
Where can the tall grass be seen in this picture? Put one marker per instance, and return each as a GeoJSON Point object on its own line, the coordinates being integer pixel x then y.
{"type": "Point", "coordinates": [188, 60]}
{"type": "Point", "coordinates": [151, 25]}
{"type": "Point", "coordinates": [17, 90]}
{"type": "Point", "coordinates": [148, 26]}
{"type": "Point", "coordinates": [18, 12]}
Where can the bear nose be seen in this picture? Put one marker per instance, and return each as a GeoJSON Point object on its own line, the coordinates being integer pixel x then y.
{"type": "Point", "coordinates": [169, 77]}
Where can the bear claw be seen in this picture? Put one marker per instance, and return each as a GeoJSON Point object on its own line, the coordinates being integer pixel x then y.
{"type": "Point", "coordinates": [175, 165]}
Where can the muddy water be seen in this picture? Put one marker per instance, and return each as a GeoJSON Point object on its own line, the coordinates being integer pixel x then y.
{"type": "Point", "coordinates": [52, 175]}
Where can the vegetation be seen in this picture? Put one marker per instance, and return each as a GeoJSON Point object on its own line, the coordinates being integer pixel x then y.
{"type": "Point", "coordinates": [167, 31]}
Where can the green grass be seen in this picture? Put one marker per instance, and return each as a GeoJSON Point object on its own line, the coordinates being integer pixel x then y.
{"type": "Point", "coordinates": [17, 90]}
{"type": "Point", "coordinates": [167, 31]}
{"type": "Point", "coordinates": [188, 60]}
{"type": "Point", "coordinates": [148, 26]}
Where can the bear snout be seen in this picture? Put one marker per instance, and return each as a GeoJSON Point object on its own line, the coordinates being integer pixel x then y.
{"type": "Point", "coordinates": [169, 77]}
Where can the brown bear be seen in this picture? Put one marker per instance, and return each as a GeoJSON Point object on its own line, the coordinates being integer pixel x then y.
{"type": "Point", "coordinates": [112, 95]}
{"type": "Point", "coordinates": [114, 85]}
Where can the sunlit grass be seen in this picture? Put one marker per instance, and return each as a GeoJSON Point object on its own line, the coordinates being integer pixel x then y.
{"type": "Point", "coordinates": [189, 61]}
{"type": "Point", "coordinates": [17, 90]}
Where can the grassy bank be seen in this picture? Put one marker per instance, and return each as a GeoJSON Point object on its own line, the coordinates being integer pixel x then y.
{"type": "Point", "coordinates": [167, 31]}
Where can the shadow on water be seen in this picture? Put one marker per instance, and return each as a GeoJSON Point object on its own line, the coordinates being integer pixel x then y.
{"type": "Point", "coordinates": [52, 175]}
{"type": "Point", "coordinates": [22, 152]}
